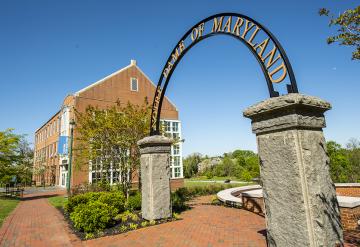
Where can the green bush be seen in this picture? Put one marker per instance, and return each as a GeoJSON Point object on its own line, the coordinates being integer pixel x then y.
{"type": "Point", "coordinates": [93, 216]}
{"type": "Point", "coordinates": [178, 199]}
{"type": "Point", "coordinates": [115, 199]}
{"type": "Point", "coordinates": [80, 199]}
{"type": "Point", "coordinates": [134, 202]}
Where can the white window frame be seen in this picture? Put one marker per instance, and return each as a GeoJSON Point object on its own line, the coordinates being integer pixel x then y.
{"type": "Point", "coordinates": [131, 84]}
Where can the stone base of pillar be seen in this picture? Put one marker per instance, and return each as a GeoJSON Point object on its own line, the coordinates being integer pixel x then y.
{"type": "Point", "coordinates": [300, 201]}
{"type": "Point", "coordinates": [155, 177]}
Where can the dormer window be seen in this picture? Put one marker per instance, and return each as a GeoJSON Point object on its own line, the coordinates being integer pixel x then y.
{"type": "Point", "coordinates": [134, 84]}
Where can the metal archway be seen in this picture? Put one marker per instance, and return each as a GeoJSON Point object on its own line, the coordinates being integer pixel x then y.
{"type": "Point", "coordinates": [243, 26]}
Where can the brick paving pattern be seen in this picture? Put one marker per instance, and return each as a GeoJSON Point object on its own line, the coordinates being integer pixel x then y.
{"type": "Point", "coordinates": [36, 223]}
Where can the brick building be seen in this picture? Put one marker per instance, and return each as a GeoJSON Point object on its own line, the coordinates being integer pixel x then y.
{"type": "Point", "coordinates": [128, 84]}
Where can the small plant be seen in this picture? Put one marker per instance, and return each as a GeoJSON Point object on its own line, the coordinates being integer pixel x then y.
{"type": "Point", "coordinates": [134, 202]}
{"type": "Point", "coordinates": [215, 200]}
{"type": "Point", "coordinates": [134, 217]}
{"type": "Point", "coordinates": [123, 228]}
{"type": "Point", "coordinates": [89, 235]}
{"type": "Point", "coordinates": [125, 216]}
{"type": "Point", "coordinates": [144, 224]}
{"type": "Point", "coordinates": [176, 216]}
{"type": "Point", "coordinates": [100, 234]}
{"type": "Point", "coordinates": [152, 222]}
{"type": "Point", "coordinates": [133, 226]}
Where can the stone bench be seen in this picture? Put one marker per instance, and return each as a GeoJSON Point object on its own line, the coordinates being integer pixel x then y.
{"type": "Point", "coordinates": [251, 198]}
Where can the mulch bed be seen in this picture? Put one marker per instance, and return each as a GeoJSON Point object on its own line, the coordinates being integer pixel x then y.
{"type": "Point", "coordinates": [116, 228]}
{"type": "Point", "coordinates": [352, 237]}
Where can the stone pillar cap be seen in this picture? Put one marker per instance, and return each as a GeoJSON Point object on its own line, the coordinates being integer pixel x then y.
{"type": "Point", "coordinates": [155, 140]}
{"type": "Point", "coordinates": [288, 100]}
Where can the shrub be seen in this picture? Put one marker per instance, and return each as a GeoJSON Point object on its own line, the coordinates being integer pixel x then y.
{"type": "Point", "coordinates": [93, 216]}
{"type": "Point", "coordinates": [115, 199]}
{"type": "Point", "coordinates": [144, 224]}
{"type": "Point", "coordinates": [77, 200]}
{"type": "Point", "coordinates": [104, 185]}
{"type": "Point", "coordinates": [178, 199]}
{"type": "Point", "coordinates": [134, 202]}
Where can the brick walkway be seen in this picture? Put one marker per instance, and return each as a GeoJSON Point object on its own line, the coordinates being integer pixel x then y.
{"type": "Point", "coordinates": [204, 225]}
{"type": "Point", "coordinates": [36, 223]}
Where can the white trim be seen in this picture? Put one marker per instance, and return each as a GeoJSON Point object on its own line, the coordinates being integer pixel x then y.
{"type": "Point", "coordinates": [103, 79]}
{"type": "Point", "coordinates": [117, 72]}
{"type": "Point", "coordinates": [137, 84]}
{"type": "Point", "coordinates": [155, 86]}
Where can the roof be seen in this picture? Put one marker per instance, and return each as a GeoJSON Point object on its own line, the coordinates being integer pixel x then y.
{"type": "Point", "coordinates": [48, 121]}
{"type": "Point", "coordinates": [132, 64]}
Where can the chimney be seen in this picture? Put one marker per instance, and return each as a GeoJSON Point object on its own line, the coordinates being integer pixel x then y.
{"type": "Point", "coordinates": [132, 62]}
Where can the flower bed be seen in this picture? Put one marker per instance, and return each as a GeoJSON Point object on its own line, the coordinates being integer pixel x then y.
{"type": "Point", "coordinates": [101, 213]}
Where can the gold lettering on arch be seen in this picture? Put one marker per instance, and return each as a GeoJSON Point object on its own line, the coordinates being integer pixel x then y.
{"type": "Point", "coordinates": [217, 24]}
{"type": "Point", "coordinates": [227, 26]}
{"type": "Point", "coordinates": [156, 107]}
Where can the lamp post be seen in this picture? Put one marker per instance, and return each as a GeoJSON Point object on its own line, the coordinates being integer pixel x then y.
{"type": "Point", "coordinates": [72, 123]}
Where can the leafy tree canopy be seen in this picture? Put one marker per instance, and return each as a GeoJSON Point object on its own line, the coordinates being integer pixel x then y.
{"type": "Point", "coordinates": [348, 32]}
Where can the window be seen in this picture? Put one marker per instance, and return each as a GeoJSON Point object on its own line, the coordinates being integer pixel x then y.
{"type": "Point", "coordinates": [176, 150]}
{"type": "Point", "coordinates": [176, 161]}
{"type": "Point", "coordinates": [134, 84]}
{"type": "Point", "coordinates": [177, 172]}
{"type": "Point", "coordinates": [175, 127]}
{"type": "Point", "coordinates": [167, 126]}
{"type": "Point", "coordinates": [175, 136]}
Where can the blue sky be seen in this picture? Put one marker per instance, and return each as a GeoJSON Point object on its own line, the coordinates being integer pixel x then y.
{"type": "Point", "coordinates": [49, 49]}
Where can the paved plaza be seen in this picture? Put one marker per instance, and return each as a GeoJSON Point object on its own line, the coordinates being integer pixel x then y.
{"type": "Point", "coordinates": [36, 223]}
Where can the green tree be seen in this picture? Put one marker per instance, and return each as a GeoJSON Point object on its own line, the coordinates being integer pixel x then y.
{"type": "Point", "coordinates": [108, 139]}
{"type": "Point", "coordinates": [242, 153]}
{"type": "Point", "coordinates": [339, 162]}
{"type": "Point", "coordinates": [190, 165]}
{"type": "Point", "coordinates": [228, 166]}
{"type": "Point", "coordinates": [16, 157]}
{"type": "Point", "coordinates": [353, 153]}
{"type": "Point", "coordinates": [348, 32]}
{"type": "Point", "coordinates": [24, 167]}
{"type": "Point", "coordinates": [9, 143]}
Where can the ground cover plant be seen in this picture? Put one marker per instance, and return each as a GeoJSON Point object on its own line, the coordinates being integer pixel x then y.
{"type": "Point", "coordinates": [7, 205]}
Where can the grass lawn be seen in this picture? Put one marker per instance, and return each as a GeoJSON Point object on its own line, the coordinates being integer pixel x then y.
{"type": "Point", "coordinates": [6, 206]}
{"type": "Point", "coordinates": [204, 178]}
{"type": "Point", "coordinates": [58, 201]}
{"type": "Point", "coordinates": [193, 183]}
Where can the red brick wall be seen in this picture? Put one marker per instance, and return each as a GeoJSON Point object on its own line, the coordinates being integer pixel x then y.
{"type": "Point", "coordinates": [348, 191]}
{"type": "Point", "coordinates": [350, 217]}
{"type": "Point", "coordinates": [253, 204]}
{"type": "Point", "coordinates": [176, 183]}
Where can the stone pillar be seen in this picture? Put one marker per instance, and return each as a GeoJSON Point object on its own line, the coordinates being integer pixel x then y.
{"type": "Point", "coordinates": [155, 177]}
{"type": "Point", "coordinates": [300, 201]}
